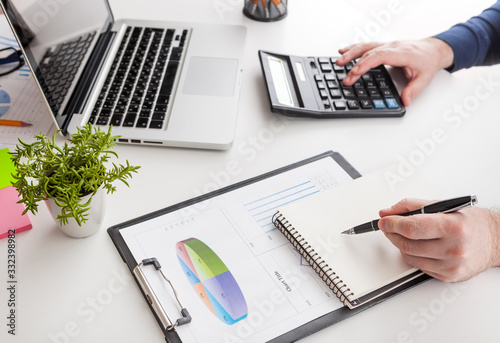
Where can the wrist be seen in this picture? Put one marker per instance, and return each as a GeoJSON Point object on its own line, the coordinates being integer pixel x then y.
{"type": "Point", "coordinates": [495, 237]}
{"type": "Point", "coordinates": [445, 55]}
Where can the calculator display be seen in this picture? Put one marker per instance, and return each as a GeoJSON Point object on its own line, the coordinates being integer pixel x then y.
{"type": "Point", "coordinates": [280, 82]}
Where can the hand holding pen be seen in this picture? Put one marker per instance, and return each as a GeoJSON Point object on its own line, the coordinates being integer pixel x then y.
{"type": "Point", "coordinates": [448, 246]}
{"type": "Point", "coordinates": [445, 206]}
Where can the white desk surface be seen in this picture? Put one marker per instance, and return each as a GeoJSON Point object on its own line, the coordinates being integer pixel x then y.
{"type": "Point", "coordinates": [59, 278]}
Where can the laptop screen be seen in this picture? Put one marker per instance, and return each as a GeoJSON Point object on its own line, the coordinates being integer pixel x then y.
{"type": "Point", "coordinates": [57, 38]}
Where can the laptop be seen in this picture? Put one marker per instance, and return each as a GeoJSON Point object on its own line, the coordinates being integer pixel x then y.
{"type": "Point", "coordinates": [157, 83]}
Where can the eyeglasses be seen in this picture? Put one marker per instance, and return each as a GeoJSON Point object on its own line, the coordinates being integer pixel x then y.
{"type": "Point", "coordinates": [10, 60]}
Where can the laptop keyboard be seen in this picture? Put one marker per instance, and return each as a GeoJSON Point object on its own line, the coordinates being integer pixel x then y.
{"type": "Point", "coordinates": [138, 88]}
{"type": "Point", "coordinates": [59, 66]}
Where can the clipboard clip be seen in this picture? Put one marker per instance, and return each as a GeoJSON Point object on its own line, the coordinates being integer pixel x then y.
{"type": "Point", "coordinates": [153, 299]}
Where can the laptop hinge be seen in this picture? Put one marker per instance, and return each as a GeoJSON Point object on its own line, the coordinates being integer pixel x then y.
{"type": "Point", "coordinates": [86, 82]}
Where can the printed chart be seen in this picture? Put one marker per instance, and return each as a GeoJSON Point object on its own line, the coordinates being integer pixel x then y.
{"type": "Point", "coordinates": [20, 98]}
{"type": "Point", "coordinates": [263, 208]}
{"type": "Point", "coordinates": [212, 281]}
{"type": "Point", "coordinates": [4, 102]}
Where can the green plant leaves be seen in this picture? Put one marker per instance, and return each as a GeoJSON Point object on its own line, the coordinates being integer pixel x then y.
{"type": "Point", "coordinates": [45, 170]}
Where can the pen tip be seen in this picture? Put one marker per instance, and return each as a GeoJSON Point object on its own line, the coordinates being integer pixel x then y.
{"type": "Point", "coordinates": [348, 232]}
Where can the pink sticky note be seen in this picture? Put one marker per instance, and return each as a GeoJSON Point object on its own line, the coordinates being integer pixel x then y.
{"type": "Point", "coordinates": [11, 217]}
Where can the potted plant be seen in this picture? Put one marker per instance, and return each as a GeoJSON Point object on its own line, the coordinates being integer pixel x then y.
{"type": "Point", "coordinates": [69, 177]}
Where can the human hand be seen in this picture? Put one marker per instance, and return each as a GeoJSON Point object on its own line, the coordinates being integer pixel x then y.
{"type": "Point", "coordinates": [420, 60]}
{"type": "Point", "coordinates": [451, 247]}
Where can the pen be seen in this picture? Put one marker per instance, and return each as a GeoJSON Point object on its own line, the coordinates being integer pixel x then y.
{"type": "Point", "coordinates": [280, 6]}
{"type": "Point", "coordinates": [266, 10]}
{"type": "Point", "coordinates": [254, 6]}
{"type": "Point", "coordinates": [445, 206]}
{"type": "Point", "coordinates": [13, 123]}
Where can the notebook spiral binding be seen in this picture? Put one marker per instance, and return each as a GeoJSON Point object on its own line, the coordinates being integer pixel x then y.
{"type": "Point", "coordinates": [333, 281]}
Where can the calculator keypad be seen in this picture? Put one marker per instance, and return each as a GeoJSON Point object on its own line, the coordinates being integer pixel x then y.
{"type": "Point", "coordinates": [373, 94]}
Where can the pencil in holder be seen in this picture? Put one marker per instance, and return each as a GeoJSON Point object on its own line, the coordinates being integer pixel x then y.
{"type": "Point", "coordinates": [266, 10]}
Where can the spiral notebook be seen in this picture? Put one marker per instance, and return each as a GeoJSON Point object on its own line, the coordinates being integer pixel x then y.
{"type": "Point", "coordinates": [360, 268]}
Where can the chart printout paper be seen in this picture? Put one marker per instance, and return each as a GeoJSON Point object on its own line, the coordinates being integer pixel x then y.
{"type": "Point", "coordinates": [236, 274]}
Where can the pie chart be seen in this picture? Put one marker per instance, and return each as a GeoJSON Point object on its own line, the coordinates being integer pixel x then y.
{"type": "Point", "coordinates": [4, 102]}
{"type": "Point", "coordinates": [212, 281]}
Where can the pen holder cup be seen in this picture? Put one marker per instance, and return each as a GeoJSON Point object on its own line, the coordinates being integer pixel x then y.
{"type": "Point", "coordinates": [266, 10]}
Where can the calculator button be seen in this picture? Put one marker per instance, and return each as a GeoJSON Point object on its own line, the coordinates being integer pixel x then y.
{"type": "Point", "coordinates": [387, 93]}
{"type": "Point", "coordinates": [322, 60]}
{"type": "Point", "coordinates": [318, 77]}
{"type": "Point", "coordinates": [374, 93]}
{"type": "Point", "coordinates": [349, 66]}
{"type": "Point", "coordinates": [353, 104]}
{"type": "Point", "coordinates": [326, 68]}
{"type": "Point", "coordinates": [348, 93]}
{"type": "Point", "coordinates": [366, 104]}
{"type": "Point", "coordinates": [358, 84]}
{"type": "Point", "coordinates": [361, 93]}
{"type": "Point", "coordinates": [330, 77]}
{"type": "Point", "coordinates": [341, 76]}
{"type": "Point", "coordinates": [338, 69]}
{"type": "Point", "coordinates": [367, 77]}
{"type": "Point", "coordinates": [339, 105]}
{"type": "Point", "coordinates": [382, 84]}
{"type": "Point", "coordinates": [378, 104]}
{"type": "Point", "coordinates": [391, 103]}
{"type": "Point", "coordinates": [320, 84]}
{"type": "Point", "coordinates": [323, 94]}
{"type": "Point", "coordinates": [379, 75]}
{"type": "Point", "coordinates": [370, 84]}
{"type": "Point", "coordinates": [335, 94]}
{"type": "Point", "coordinates": [332, 84]}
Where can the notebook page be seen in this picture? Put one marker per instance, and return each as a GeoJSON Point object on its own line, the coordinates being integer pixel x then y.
{"type": "Point", "coordinates": [364, 262]}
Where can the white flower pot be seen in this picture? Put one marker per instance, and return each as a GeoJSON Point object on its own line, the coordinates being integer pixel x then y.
{"type": "Point", "coordinates": [94, 219]}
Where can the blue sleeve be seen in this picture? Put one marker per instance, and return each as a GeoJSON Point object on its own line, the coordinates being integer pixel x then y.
{"type": "Point", "coordinates": [477, 41]}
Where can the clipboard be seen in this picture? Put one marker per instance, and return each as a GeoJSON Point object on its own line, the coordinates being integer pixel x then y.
{"type": "Point", "coordinates": [182, 317]}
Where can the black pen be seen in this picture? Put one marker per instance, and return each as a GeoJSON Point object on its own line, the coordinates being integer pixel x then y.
{"type": "Point", "coordinates": [445, 206]}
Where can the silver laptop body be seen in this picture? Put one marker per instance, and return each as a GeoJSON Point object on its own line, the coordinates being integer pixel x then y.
{"type": "Point", "coordinates": [200, 109]}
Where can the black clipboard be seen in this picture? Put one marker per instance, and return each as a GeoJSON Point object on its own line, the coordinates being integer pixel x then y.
{"type": "Point", "coordinates": [300, 332]}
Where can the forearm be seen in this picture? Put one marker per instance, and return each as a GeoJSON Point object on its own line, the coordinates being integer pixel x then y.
{"type": "Point", "coordinates": [477, 41]}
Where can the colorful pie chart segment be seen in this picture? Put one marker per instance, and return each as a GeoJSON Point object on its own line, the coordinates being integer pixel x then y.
{"type": "Point", "coordinates": [212, 281]}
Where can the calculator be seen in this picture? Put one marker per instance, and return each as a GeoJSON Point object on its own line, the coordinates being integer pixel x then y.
{"type": "Point", "coordinates": [312, 87]}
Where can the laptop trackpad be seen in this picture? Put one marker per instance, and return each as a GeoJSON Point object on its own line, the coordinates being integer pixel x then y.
{"type": "Point", "coordinates": [211, 76]}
